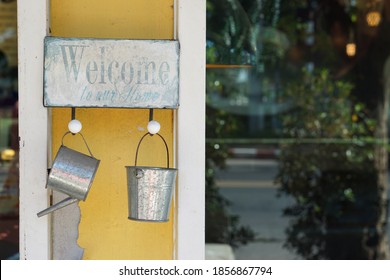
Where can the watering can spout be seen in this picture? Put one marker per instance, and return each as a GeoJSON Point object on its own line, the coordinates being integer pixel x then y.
{"type": "Point", "coordinates": [67, 201]}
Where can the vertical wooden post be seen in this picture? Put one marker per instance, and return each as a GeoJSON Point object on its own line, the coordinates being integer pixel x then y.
{"type": "Point", "coordinates": [33, 130]}
{"type": "Point", "coordinates": [191, 129]}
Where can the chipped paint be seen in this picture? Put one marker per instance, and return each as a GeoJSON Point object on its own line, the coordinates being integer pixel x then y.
{"type": "Point", "coordinates": [81, 72]}
{"type": "Point", "coordinates": [65, 224]}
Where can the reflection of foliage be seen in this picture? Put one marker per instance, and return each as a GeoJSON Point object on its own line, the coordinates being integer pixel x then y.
{"type": "Point", "coordinates": [340, 183]}
{"type": "Point", "coordinates": [221, 226]}
{"type": "Point", "coordinates": [227, 88]}
{"type": "Point", "coordinates": [323, 108]}
{"type": "Point", "coordinates": [228, 40]}
{"type": "Point", "coordinates": [227, 43]}
{"type": "Point", "coordinates": [335, 212]}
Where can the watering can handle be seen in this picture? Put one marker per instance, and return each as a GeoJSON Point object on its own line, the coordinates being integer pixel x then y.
{"type": "Point", "coordinates": [89, 150]}
{"type": "Point", "coordinates": [139, 144]}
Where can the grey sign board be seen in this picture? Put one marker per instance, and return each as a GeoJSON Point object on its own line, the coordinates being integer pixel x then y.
{"type": "Point", "coordinates": [81, 72]}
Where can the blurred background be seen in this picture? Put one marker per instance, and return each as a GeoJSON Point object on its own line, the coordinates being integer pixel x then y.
{"type": "Point", "coordinates": [9, 150]}
{"type": "Point", "coordinates": [297, 128]}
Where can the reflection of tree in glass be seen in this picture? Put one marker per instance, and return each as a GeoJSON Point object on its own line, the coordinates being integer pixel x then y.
{"type": "Point", "coordinates": [340, 187]}
{"type": "Point", "coordinates": [227, 44]}
{"type": "Point", "coordinates": [346, 212]}
{"type": "Point", "coordinates": [330, 171]}
{"type": "Point", "coordinates": [229, 33]}
{"type": "Point", "coordinates": [221, 225]}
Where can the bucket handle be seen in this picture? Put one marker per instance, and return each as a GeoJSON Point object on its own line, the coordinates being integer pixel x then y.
{"type": "Point", "coordinates": [139, 144]}
{"type": "Point", "coordinates": [89, 150]}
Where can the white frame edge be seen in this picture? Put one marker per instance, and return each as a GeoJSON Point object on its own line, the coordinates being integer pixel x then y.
{"type": "Point", "coordinates": [34, 232]}
{"type": "Point", "coordinates": [190, 218]}
{"type": "Point", "coordinates": [33, 130]}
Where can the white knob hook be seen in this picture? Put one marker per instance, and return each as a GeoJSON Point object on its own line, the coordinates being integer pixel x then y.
{"type": "Point", "coordinates": [74, 125]}
{"type": "Point", "coordinates": [153, 126]}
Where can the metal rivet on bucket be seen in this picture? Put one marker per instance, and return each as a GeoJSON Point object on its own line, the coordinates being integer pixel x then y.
{"type": "Point", "coordinates": [72, 173]}
{"type": "Point", "coordinates": [150, 189]}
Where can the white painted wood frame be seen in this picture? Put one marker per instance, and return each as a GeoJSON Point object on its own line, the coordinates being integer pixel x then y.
{"type": "Point", "coordinates": [33, 131]}
{"type": "Point", "coordinates": [190, 216]}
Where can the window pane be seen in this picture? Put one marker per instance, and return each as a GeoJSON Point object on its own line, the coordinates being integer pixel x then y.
{"type": "Point", "coordinates": [297, 128]}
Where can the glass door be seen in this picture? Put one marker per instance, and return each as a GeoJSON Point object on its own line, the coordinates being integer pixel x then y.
{"type": "Point", "coordinates": [297, 128]}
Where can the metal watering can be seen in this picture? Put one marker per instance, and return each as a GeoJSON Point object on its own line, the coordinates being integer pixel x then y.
{"type": "Point", "coordinates": [150, 189]}
{"type": "Point", "coordinates": [72, 173]}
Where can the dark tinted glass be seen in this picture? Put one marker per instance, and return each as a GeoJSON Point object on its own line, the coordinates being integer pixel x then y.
{"type": "Point", "coordinates": [297, 128]}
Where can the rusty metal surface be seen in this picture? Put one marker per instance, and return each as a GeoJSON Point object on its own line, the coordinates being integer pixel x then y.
{"type": "Point", "coordinates": [82, 72]}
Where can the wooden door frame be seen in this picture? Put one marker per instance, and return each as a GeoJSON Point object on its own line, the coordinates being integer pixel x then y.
{"type": "Point", "coordinates": [34, 130]}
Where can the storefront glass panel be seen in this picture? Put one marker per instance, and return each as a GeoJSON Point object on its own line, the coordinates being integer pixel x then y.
{"type": "Point", "coordinates": [297, 128]}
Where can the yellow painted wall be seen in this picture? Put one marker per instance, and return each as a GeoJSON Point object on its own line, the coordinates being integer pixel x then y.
{"type": "Point", "coordinates": [112, 134]}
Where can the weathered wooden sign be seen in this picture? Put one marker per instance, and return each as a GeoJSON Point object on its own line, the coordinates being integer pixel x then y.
{"type": "Point", "coordinates": [111, 73]}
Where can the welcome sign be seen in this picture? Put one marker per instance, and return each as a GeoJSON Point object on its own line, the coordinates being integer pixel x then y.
{"type": "Point", "coordinates": [81, 72]}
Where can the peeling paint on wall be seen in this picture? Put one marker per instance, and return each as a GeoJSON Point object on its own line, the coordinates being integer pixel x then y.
{"type": "Point", "coordinates": [65, 224]}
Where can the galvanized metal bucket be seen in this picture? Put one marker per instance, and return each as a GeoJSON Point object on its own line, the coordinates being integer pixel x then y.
{"type": "Point", "coordinates": [72, 173]}
{"type": "Point", "coordinates": [150, 189]}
